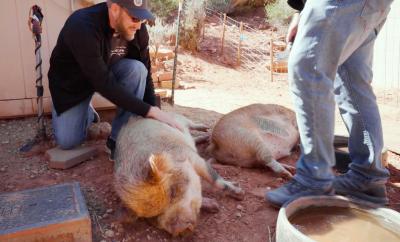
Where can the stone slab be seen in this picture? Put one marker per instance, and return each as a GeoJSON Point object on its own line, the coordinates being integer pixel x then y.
{"type": "Point", "coordinates": [52, 213]}
{"type": "Point", "coordinates": [64, 159]}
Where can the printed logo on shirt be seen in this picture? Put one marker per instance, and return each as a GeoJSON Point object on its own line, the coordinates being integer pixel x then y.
{"type": "Point", "coordinates": [119, 51]}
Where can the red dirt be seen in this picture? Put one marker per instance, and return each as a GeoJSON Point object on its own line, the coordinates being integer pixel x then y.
{"type": "Point", "coordinates": [218, 89]}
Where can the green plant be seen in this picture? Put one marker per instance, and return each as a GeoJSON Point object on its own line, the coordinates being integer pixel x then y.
{"type": "Point", "coordinates": [279, 12]}
{"type": "Point", "coordinates": [164, 8]}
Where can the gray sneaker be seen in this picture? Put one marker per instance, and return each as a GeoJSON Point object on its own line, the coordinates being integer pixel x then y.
{"type": "Point", "coordinates": [291, 191]}
{"type": "Point", "coordinates": [96, 118]}
{"type": "Point", "coordinates": [354, 186]}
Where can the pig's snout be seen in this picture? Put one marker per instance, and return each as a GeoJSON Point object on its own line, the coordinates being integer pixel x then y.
{"type": "Point", "coordinates": [183, 228]}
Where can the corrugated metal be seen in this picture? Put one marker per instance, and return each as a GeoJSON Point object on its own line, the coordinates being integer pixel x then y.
{"type": "Point", "coordinates": [387, 52]}
{"type": "Point", "coordinates": [17, 62]}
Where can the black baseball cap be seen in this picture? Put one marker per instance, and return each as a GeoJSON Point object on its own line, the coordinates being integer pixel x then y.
{"type": "Point", "coordinates": [136, 8]}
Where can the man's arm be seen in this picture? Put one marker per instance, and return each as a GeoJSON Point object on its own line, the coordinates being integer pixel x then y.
{"type": "Point", "coordinates": [149, 95]}
{"type": "Point", "coordinates": [87, 52]}
{"type": "Point", "coordinates": [84, 43]}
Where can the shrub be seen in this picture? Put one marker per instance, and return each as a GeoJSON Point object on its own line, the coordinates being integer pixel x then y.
{"type": "Point", "coordinates": [279, 12]}
{"type": "Point", "coordinates": [164, 8]}
{"type": "Point", "coordinates": [220, 5]}
{"type": "Point", "coordinates": [193, 14]}
{"type": "Point", "coordinates": [160, 33]}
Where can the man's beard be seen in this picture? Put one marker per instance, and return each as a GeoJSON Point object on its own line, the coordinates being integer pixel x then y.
{"type": "Point", "coordinates": [124, 32]}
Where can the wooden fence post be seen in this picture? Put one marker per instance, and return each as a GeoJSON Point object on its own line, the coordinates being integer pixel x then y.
{"type": "Point", "coordinates": [240, 43]}
{"type": "Point", "coordinates": [205, 17]}
{"type": "Point", "coordinates": [223, 34]}
{"type": "Point", "coordinates": [272, 59]}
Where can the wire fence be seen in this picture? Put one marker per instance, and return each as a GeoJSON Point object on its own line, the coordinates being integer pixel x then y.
{"type": "Point", "coordinates": [242, 46]}
{"type": "Point", "coordinates": [237, 44]}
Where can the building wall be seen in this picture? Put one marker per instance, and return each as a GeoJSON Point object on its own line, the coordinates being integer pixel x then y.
{"type": "Point", "coordinates": [17, 62]}
{"type": "Point", "coordinates": [386, 65]}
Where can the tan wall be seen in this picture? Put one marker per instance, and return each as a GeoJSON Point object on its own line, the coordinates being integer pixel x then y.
{"type": "Point", "coordinates": [387, 52]}
{"type": "Point", "coordinates": [17, 62]}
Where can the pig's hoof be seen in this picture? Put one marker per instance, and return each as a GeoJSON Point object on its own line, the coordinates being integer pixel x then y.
{"type": "Point", "coordinates": [209, 205]}
{"type": "Point", "coordinates": [286, 174]}
{"type": "Point", "coordinates": [237, 193]}
{"type": "Point", "coordinates": [290, 168]}
{"type": "Point", "coordinates": [201, 139]}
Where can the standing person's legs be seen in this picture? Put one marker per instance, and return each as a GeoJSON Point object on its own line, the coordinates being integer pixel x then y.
{"type": "Point", "coordinates": [329, 32]}
{"type": "Point", "coordinates": [357, 104]}
{"type": "Point", "coordinates": [70, 128]}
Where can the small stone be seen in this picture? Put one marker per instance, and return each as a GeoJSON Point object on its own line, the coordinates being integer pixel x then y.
{"type": "Point", "coordinates": [109, 233]}
{"type": "Point", "coordinates": [238, 215]}
{"type": "Point", "coordinates": [3, 169]}
{"type": "Point", "coordinates": [105, 215]}
{"type": "Point", "coordinates": [32, 176]}
{"type": "Point", "coordinates": [148, 237]}
{"type": "Point", "coordinates": [103, 240]}
{"type": "Point", "coordinates": [239, 207]}
{"type": "Point", "coordinates": [109, 210]}
{"type": "Point", "coordinates": [5, 142]}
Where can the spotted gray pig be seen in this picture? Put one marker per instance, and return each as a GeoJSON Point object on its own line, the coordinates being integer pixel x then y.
{"type": "Point", "coordinates": [158, 173]}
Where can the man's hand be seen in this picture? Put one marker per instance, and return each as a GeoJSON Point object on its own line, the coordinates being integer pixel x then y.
{"type": "Point", "coordinates": [158, 114]}
{"type": "Point", "coordinates": [292, 30]}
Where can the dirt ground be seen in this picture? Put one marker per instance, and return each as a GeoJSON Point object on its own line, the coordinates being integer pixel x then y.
{"type": "Point", "coordinates": [213, 89]}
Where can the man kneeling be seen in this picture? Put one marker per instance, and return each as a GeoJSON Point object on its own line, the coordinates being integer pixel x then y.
{"type": "Point", "coordinates": [104, 49]}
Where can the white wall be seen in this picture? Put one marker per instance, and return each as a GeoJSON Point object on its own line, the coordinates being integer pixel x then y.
{"type": "Point", "coordinates": [386, 65]}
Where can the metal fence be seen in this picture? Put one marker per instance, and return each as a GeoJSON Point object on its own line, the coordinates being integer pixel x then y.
{"type": "Point", "coordinates": [237, 44]}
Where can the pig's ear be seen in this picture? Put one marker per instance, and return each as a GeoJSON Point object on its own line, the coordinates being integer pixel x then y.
{"type": "Point", "coordinates": [159, 164]}
{"type": "Point", "coordinates": [148, 198]}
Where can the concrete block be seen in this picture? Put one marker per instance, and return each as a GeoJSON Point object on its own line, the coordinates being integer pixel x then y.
{"type": "Point", "coordinates": [165, 76]}
{"type": "Point", "coordinates": [53, 213]}
{"type": "Point", "coordinates": [161, 93]}
{"type": "Point", "coordinates": [64, 159]}
{"type": "Point", "coordinates": [168, 84]}
{"type": "Point", "coordinates": [162, 54]}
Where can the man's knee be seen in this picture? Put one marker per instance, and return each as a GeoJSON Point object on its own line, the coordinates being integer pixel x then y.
{"type": "Point", "coordinates": [133, 68]}
{"type": "Point", "coordinates": [67, 142]}
{"type": "Point", "coordinates": [140, 68]}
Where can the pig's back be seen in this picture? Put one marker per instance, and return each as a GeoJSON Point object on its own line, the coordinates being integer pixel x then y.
{"type": "Point", "coordinates": [237, 134]}
{"type": "Point", "coordinates": [140, 138]}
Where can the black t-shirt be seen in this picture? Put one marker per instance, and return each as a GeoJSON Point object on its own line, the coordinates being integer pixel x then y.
{"type": "Point", "coordinates": [119, 49]}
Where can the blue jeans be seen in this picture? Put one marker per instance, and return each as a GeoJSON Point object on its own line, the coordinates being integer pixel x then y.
{"type": "Point", "coordinates": [331, 61]}
{"type": "Point", "coordinates": [70, 128]}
